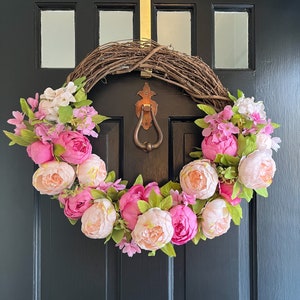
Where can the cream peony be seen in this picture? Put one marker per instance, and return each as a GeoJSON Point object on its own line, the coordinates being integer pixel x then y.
{"type": "Point", "coordinates": [92, 171]}
{"type": "Point", "coordinates": [153, 229]}
{"type": "Point", "coordinates": [199, 178]}
{"type": "Point", "coordinates": [257, 169]}
{"type": "Point", "coordinates": [98, 220]}
{"type": "Point", "coordinates": [215, 219]}
{"type": "Point", "coordinates": [53, 177]}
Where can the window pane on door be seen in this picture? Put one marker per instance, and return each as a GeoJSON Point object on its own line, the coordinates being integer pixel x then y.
{"type": "Point", "coordinates": [57, 39]}
{"type": "Point", "coordinates": [174, 28]}
{"type": "Point", "coordinates": [231, 40]}
{"type": "Point", "coordinates": [115, 26]}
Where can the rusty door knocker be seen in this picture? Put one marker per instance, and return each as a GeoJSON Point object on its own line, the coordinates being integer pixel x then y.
{"type": "Point", "coordinates": [146, 109]}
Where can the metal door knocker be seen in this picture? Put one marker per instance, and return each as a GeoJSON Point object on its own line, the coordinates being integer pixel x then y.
{"type": "Point", "coordinates": [146, 109]}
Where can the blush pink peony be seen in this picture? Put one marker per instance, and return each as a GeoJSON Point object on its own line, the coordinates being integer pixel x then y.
{"type": "Point", "coordinates": [199, 178]}
{"type": "Point", "coordinates": [257, 169]}
{"type": "Point", "coordinates": [128, 202]}
{"type": "Point", "coordinates": [76, 205]}
{"type": "Point", "coordinates": [225, 190]}
{"type": "Point", "coordinates": [227, 145]}
{"type": "Point", "coordinates": [153, 229]}
{"type": "Point", "coordinates": [40, 152]}
{"type": "Point", "coordinates": [53, 177]}
{"type": "Point", "coordinates": [92, 171]}
{"type": "Point", "coordinates": [185, 224]}
{"type": "Point", "coordinates": [77, 147]}
{"type": "Point", "coordinates": [215, 219]}
{"type": "Point", "coordinates": [98, 220]}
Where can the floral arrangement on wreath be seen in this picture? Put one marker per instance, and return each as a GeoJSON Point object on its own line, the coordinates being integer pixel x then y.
{"type": "Point", "coordinates": [235, 159]}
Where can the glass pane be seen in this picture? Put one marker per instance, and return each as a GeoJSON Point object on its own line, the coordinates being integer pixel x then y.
{"type": "Point", "coordinates": [57, 39]}
{"type": "Point", "coordinates": [115, 26]}
{"type": "Point", "coordinates": [231, 40]}
{"type": "Point", "coordinates": [174, 28]}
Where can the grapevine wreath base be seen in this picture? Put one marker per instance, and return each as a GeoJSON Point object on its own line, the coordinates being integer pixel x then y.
{"type": "Point", "coordinates": [234, 160]}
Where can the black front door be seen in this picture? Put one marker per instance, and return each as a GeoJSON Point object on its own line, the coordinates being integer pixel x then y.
{"type": "Point", "coordinates": [44, 257]}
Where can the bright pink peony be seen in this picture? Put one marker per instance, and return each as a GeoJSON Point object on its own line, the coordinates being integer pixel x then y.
{"type": "Point", "coordinates": [210, 147]}
{"type": "Point", "coordinates": [128, 202]}
{"type": "Point", "coordinates": [98, 220]}
{"type": "Point", "coordinates": [215, 219]}
{"type": "Point", "coordinates": [52, 177]}
{"type": "Point", "coordinates": [40, 152]}
{"type": "Point", "coordinates": [225, 190]}
{"type": "Point", "coordinates": [185, 225]}
{"type": "Point", "coordinates": [77, 147]}
{"type": "Point", "coordinates": [76, 205]}
{"type": "Point", "coordinates": [257, 169]}
{"type": "Point", "coordinates": [153, 229]}
{"type": "Point", "coordinates": [199, 178]}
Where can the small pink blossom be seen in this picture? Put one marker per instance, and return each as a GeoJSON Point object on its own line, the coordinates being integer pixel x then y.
{"type": "Point", "coordinates": [47, 132]}
{"type": "Point", "coordinates": [33, 102]}
{"type": "Point", "coordinates": [182, 198]}
{"type": "Point", "coordinates": [18, 121]}
{"type": "Point", "coordinates": [129, 248]}
{"type": "Point", "coordinates": [104, 186]}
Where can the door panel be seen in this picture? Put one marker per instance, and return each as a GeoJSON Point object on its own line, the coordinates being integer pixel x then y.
{"type": "Point", "coordinates": [44, 257]}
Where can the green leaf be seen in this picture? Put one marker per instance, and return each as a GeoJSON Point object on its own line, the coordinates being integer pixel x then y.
{"type": "Point", "coordinates": [170, 185]}
{"type": "Point", "coordinates": [227, 160]}
{"type": "Point", "coordinates": [199, 236]}
{"type": "Point", "coordinates": [72, 221]}
{"type": "Point", "coordinates": [166, 203]}
{"type": "Point", "coordinates": [246, 145]}
{"type": "Point", "coordinates": [207, 109]}
{"type": "Point", "coordinates": [80, 95]}
{"type": "Point", "coordinates": [82, 103]}
{"type": "Point", "coordinates": [240, 94]}
{"type": "Point", "coordinates": [236, 189]}
{"type": "Point", "coordinates": [235, 212]}
{"type": "Point", "coordinates": [196, 154]}
{"type": "Point", "coordinates": [262, 192]}
{"type": "Point", "coordinates": [230, 173]}
{"type": "Point", "coordinates": [169, 250]}
{"type": "Point", "coordinates": [97, 194]}
{"type": "Point", "coordinates": [231, 97]}
{"type": "Point", "coordinates": [275, 125]}
{"type": "Point", "coordinates": [65, 114]}
{"type": "Point", "coordinates": [245, 193]}
{"type": "Point", "coordinates": [117, 235]}
{"type": "Point", "coordinates": [15, 139]}
{"type": "Point", "coordinates": [139, 180]}
{"type": "Point", "coordinates": [26, 109]}
{"type": "Point", "coordinates": [152, 253]}
{"type": "Point", "coordinates": [97, 119]}
{"type": "Point", "coordinates": [112, 193]}
{"type": "Point", "coordinates": [111, 177]}
{"type": "Point", "coordinates": [58, 150]}
{"type": "Point", "coordinates": [201, 123]}
{"type": "Point", "coordinates": [79, 82]}
{"type": "Point", "coordinates": [28, 136]}
{"type": "Point", "coordinates": [143, 206]}
{"type": "Point", "coordinates": [197, 207]}
{"type": "Point", "coordinates": [155, 199]}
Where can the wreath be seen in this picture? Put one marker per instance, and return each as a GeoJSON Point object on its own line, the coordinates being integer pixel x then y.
{"type": "Point", "coordinates": [234, 160]}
